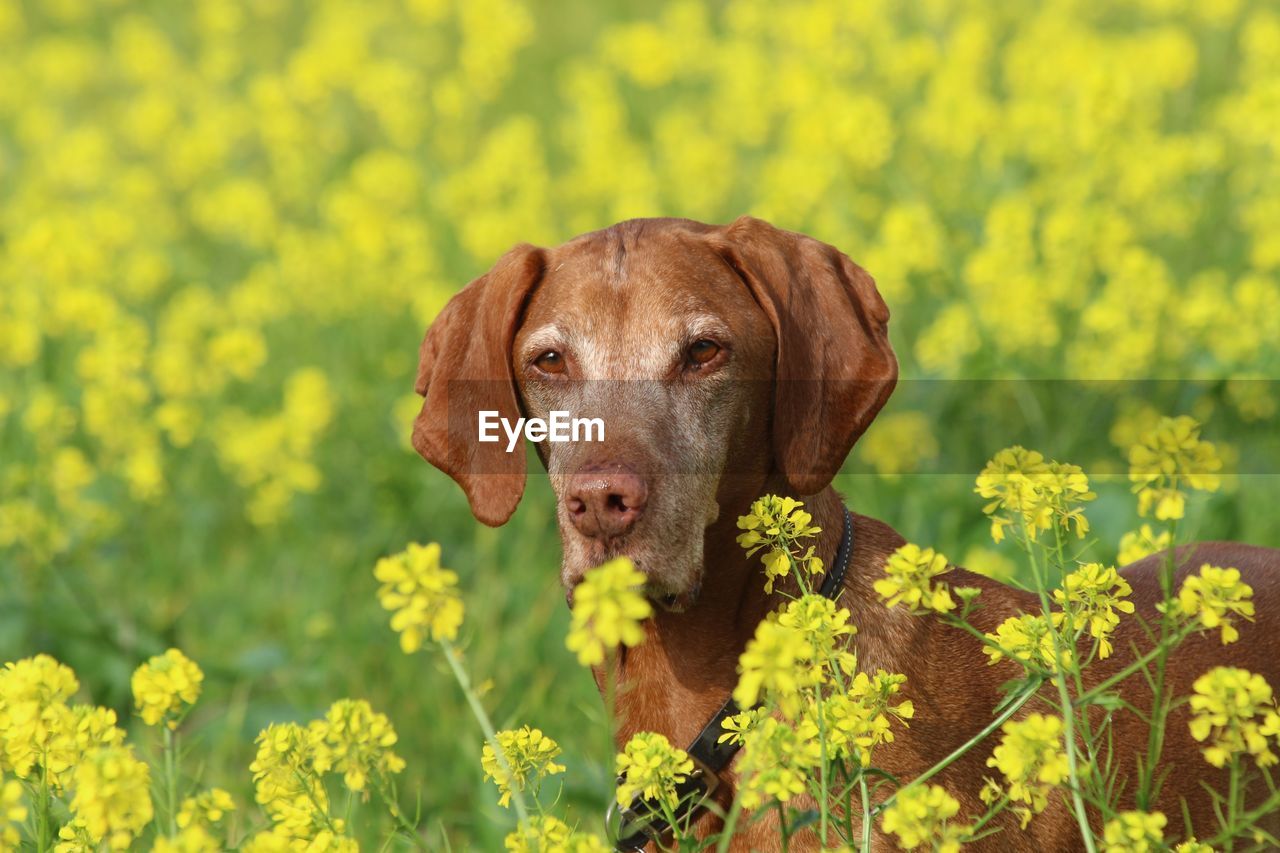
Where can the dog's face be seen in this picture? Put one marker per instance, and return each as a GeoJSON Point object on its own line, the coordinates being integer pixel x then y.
{"type": "Point", "coordinates": [719, 359]}
{"type": "Point", "coordinates": [660, 339]}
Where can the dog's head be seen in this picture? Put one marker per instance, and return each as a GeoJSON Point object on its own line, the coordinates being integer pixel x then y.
{"type": "Point", "coordinates": [720, 360]}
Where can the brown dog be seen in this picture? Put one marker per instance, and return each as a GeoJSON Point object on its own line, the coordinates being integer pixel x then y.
{"type": "Point", "coordinates": [730, 362]}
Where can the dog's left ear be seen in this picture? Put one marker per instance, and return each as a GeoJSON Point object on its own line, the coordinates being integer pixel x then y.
{"type": "Point", "coordinates": [464, 368]}
{"type": "Point", "coordinates": [835, 366]}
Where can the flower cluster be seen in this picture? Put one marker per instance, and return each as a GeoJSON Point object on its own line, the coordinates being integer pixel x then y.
{"type": "Point", "coordinates": [1140, 543]}
{"type": "Point", "coordinates": [1134, 832]}
{"type": "Point", "coordinates": [1233, 710]}
{"type": "Point", "coordinates": [923, 815]}
{"type": "Point", "coordinates": [547, 834]}
{"type": "Point", "coordinates": [528, 757]}
{"type": "Point", "coordinates": [1030, 640]}
{"type": "Point", "coordinates": [1167, 461]}
{"type": "Point", "coordinates": [165, 687]}
{"type": "Point", "coordinates": [1034, 494]}
{"type": "Point", "coordinates": [1214, 597]}
{"type": "Point", "coordinates": [776, 525]}
{"type": "Point", "coordinates": [1093, 596]}
{"type": "Point", "coordinates": [422, 596]}
{"type": "Point", "coordinates": [649, 767]}
{"type": "Point", "coordinates": [1031, 757]}
{"type": "Point", "coordinates": [910, 577]}
{"type": "Point", "coordinates": [608, 609]}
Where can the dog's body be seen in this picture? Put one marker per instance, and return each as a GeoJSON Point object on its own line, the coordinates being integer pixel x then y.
{"type": "Point", "coordinates": [732, 362]}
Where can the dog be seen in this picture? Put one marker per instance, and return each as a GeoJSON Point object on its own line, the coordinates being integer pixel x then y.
{"type": "Point", "coordinates": [730, 362]}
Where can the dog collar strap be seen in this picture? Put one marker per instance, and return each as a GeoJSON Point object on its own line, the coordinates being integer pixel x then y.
{"type": "Point", "coordinates": [640, 821]}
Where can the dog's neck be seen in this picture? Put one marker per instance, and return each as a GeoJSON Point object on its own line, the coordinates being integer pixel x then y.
{"type": "Point", "coordinates": [676, 680]}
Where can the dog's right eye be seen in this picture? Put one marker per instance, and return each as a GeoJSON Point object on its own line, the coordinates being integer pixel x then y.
{"type": "Point", "coordinates": [550, 362]}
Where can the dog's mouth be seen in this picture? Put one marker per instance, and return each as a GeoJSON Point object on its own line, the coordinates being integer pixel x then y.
{"type": "Point", "coordinates": [671, 602]}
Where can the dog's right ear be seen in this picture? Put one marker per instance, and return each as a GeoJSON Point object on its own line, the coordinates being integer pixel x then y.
{"type": "Point", "coordinates": [464, 368]}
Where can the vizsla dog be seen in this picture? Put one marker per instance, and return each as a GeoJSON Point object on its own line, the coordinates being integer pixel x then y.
{"type": "Point", "coordinates": [730, 362]}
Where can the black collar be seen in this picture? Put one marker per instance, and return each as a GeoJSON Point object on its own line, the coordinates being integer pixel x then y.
{"type": "Point", "coordinates": [640, 822]}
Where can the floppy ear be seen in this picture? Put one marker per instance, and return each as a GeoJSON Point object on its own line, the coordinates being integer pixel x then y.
{"type": "Point", "coordinates": [835, 366]}
{"type": "Point", "coordinates": [464, 368]}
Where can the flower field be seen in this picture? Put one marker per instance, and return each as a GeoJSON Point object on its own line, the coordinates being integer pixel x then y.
{"type": "Point", "coordinates": [225, 225]}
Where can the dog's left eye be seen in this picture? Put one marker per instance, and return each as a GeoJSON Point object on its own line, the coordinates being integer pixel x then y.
{"type": "Point", "coordinates": [702, 351]}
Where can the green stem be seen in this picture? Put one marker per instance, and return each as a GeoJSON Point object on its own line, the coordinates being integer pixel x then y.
{"type": "Point", "coordinates": [486, 725]}
{"type": "Point", "coordinates": [393, 805]}
{"type": "Point", "coordinates": [866, 813]}
{"type": "Point", "coordinates": [1146, 794]}
{"type": "Point", "coordinates": [171, 777]}
{"type": "Point", "coordinates": [1002, 718]}
{"type": "Point", "coordinates": [1064, 696]}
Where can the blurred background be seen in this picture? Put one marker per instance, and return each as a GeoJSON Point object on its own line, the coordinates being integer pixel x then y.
{"type": "Point", "coordinates": [225, 225]}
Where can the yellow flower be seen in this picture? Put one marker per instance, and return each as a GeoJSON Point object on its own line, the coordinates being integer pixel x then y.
{"type": "Point", "coordinates": [1193, 846]}
{"type": "Point", "coordinates": [771, 665]}
{"type": "Point", "coordinates": [921, 815]}
{"type": "Point", "coordinates": [1134, 832]}
{"type": "Point", "coordinates": [205, 809]}
{"type": "Point", "coordinates": [776, 762]}
{"type": "Point", "coordinates": [777, 523]}
{"type": "Point", "coordinates": [285, 782]}
{"type": "Point", "coordinates": [1031, 757]}
{"type": "Point", "coordinates": [356, 741]}
{"type": "Point", "coordinates": [649, 767]}
{"type": "Point", "coordinates": [35, 723]}
{"type": "Point", "coordinates": [738, 726]}
{"type": "Point", "coordinates": [857, 720]}
{"type": "Point", "coordinates": [1140, 543]}
{"type": "Point", "coordinates": [1094, 593]}
{"type": "Point", "coordinates": [1214, 596]}
{"type": "Point", "coordinates": [911, 571]}
{"type": "Point", "coordinates": [1234, 711]}
{"type": "Point", "coordinates": [422, 596]}
{"type": "Point", "coordinates": [112, 802]}
{"type": "Point", "coordinates": [1169, 459]}
{"type": "Point", "coordinates": [547, 834]}
{"type": "Point", "coordinates": [165, 687]}
{"type": "Point", "coordinates": [608, 609]}
{"type": "Point", "coordinates": [1029, 640]}
{"type": "Point", "coordinates": [1036, 493]}
{"type": "Point", "coordinates": [190, 839]}
{"type": "Point", "coordinates": [529, 754]}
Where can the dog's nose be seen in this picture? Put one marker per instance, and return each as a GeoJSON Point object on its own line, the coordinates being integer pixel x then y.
{"type": "Point", "coordinates": [605, 501]}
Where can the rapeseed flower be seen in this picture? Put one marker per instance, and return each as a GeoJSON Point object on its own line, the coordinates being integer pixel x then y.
{"type": "Point", "coordinates": [422, 596]}
{"type": "Point", "coordinates": [777, 762]}
{"type": "Point", "coordinates": [1140, 543]}
{"type": "Point", "coordinates": [112, 802]}
{"type": "Point", "coordinates": [194, 838]}
{"type": "Point", "coordinates": [36, 726]}
{"type": "Point", "coordinates": [12, 813]}
{"type": "Point", "coordinates": [206, 809]}
{"type": "Point", "coordinates": [165, 688]}
{"type": "Point", "coordinates": [1213, 597]}
{"type": "Point", "coordinates": [1234, 712]}
{"type": "Point", "coordinates": [651, 768]}
{"type": "Point", "coordinates": [608, 609]}
{"type": "Point", "coordinates": [1134, 832]}
{"type": "Point", "coordinates": [911, 571]}
{"type": "Point", "coordinates": [355, 741]}
{"type": "Point", "coordinates": [777, 524]}
{"type": "Point", "coordinates": [529, 756]}
{"type": "Point", "coordinates": [855, 721]}
{"type": "Point", "coordinates": [1093, 594]}
{"type": "Point", "coordinates": [922, 815]}
{"type": "Point", "coordinates": [774, 665]}
{"type": "Point", "coordinates": [285, 782]}
{"type": "Point", "coordinates": [1032, 492]}
{"type": "Point", "coordinates": [1168, 460]}
{"type": "Point", "coordinates": [547, 834]}
{"type": "Point", "coordinates": [1028, 639]}
{"type": "Point", "coordinates": [1031, 757]}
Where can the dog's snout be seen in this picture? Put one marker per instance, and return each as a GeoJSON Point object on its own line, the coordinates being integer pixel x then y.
{"type": "Point", "coordinates": [605, 501]}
